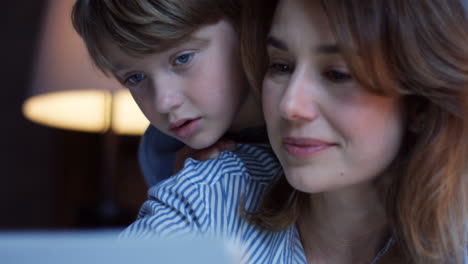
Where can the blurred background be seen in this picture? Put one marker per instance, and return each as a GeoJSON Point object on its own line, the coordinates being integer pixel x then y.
{"type": "Point", "coordinates": [54, 178]}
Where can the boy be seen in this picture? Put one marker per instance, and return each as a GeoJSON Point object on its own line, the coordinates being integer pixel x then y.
{"type": "Point", "coordinates": [180, 60]}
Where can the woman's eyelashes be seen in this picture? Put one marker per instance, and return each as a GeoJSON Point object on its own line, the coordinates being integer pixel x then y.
{"type": "Point", "coordinates": [279, 68]}
{"type": "Point", "coordinates": [337, 76]}
{"type": "Point", "coordinates": [333, 75]}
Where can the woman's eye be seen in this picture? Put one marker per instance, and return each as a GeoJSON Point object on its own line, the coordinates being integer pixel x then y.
{"type": "Point", "coordinates": [280, 68]}
{"type": "Point", "coordinates": [135, 78]}
{"type": "Point", "coordinates": [338, 76]}
{"type": "Point", "coordinates": [183, 58]}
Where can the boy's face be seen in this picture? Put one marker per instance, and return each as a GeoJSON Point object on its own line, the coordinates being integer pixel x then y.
{"type": "Point", "coordinates": [192, 91]}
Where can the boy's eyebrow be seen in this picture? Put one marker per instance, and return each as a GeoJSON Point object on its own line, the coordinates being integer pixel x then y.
{"type": "Point", "coordinates": [325, 48]}
{"type": "Point", "coordinates": [198, 41]}
{"type": "Point", "coordinates": [202, 41]}
{"type": "Point", "coordinates": [117, 67]}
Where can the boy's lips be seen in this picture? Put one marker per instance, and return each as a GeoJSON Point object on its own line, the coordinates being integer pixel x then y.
{"type": "Point", "coordinates": [184, 128]}
{"type": "Point", "coordinates": [305, 147]}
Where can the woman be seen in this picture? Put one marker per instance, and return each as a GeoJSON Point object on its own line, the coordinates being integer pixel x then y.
{"type": "Point", "coordinates": [366, 110]}
{"type": "Point", "coordinates": [366, 105]}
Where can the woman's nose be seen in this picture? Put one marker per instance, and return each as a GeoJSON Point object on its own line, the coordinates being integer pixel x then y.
{"type": "Point", "coordinates": [299, 101]}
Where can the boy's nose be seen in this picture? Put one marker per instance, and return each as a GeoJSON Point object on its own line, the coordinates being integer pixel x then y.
{"type": "Point", "coordinates": [167, 95]}
{"type": "Point", "coordinates": [299, 100]}
{"type": "Point", "coordinates": [168, 101]}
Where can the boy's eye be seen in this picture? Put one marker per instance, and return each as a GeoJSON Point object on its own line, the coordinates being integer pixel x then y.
{"type": "Point", "coordinates": [338, 76]}
{"type": "Point", "coordinates": [183, 59]}
{"type": "Point", "coordinates": [135, 78]}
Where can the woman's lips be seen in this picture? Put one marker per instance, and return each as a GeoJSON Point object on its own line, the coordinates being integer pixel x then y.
{"type": "Point", "coordinates": [305, 147]}
{"type": "Point", "coordinates": [185, 128]}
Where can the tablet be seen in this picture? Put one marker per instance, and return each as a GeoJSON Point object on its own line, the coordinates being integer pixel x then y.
{"type": "Point", "coordinates": [85, 247]}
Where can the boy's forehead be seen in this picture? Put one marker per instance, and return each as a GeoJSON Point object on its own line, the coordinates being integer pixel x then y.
{"type": "Point", "coordinates": [113, 54]}
{"type": "Point", "coordinates": [119, 58]}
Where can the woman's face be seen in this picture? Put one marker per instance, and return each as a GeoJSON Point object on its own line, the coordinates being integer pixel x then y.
{"type": "Point", "coordinates": [326, 129]}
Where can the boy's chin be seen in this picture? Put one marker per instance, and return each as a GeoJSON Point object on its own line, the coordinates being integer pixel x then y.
{"type": "Point", "coordinates": [200, 143]}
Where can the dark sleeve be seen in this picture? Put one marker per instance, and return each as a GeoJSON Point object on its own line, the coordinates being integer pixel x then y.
{"type": "Point", "coordinates": [156, 155]}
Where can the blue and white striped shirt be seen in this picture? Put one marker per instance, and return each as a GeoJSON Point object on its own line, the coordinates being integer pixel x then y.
{"type": "Point", "coordinates": [204, 199]}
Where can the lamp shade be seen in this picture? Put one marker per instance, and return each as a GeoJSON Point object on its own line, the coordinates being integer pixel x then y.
{"type": "Point", "coordinates": [68, 91]}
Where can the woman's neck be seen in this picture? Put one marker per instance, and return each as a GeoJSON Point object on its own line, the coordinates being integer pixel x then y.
{"type": "Point", "coordinates": [343, 226]}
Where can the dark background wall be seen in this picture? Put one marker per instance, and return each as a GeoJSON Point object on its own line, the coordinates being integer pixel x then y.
{"type": "Point", "coordinates": [49, 178]}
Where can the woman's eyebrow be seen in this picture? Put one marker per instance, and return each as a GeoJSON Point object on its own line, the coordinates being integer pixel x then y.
{"type": "Point", "coordinates": [324, 48]}
{"type": "Point", "coordinates": [276, 43]}
{"type": "Point", "coordinates": [328, 49]}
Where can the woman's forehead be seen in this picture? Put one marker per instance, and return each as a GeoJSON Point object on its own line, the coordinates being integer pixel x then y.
{"type": "Point", "coordinates": [301, 20]}
{"type": "Point", "coordinates": [310, 12]}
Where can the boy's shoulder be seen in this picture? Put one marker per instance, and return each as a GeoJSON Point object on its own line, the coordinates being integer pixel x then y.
{"type": "Point", "coordinates": [249, 162]}
{"type": "Point", "coordinates": [203, 192]}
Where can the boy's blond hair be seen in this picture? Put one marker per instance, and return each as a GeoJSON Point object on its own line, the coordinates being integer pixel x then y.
{"type": "Point", "coordinates": [140, 27]}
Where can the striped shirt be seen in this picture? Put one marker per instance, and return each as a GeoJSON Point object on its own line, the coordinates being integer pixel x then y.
{"type": "Point", "coordinates": [204, 199]}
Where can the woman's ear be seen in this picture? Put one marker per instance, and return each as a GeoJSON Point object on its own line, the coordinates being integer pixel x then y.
{"type": "Point", "coordinates": [417, 114]}
{"type": "Point", "coordinates": [417, 126]}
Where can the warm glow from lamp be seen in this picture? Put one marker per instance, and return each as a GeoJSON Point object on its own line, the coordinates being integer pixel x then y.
{"type": "Point", "coordinates": [68, 92]}
{"type": "Point", "coordinates": [88, 111]}
{"type": "Point", "coordinates": [128, 118]}
{"type": "Point", "coordinates": [76, 110]}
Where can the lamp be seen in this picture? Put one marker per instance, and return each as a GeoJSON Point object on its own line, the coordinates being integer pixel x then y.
{"type": "Point", "coordinates": [68, 92]}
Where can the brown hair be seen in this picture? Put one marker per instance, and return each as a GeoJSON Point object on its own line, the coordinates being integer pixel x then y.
{"type": "Point", "coordinates": [418, 49]}
{"type": "Point", "coordinates": [140, 27]}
